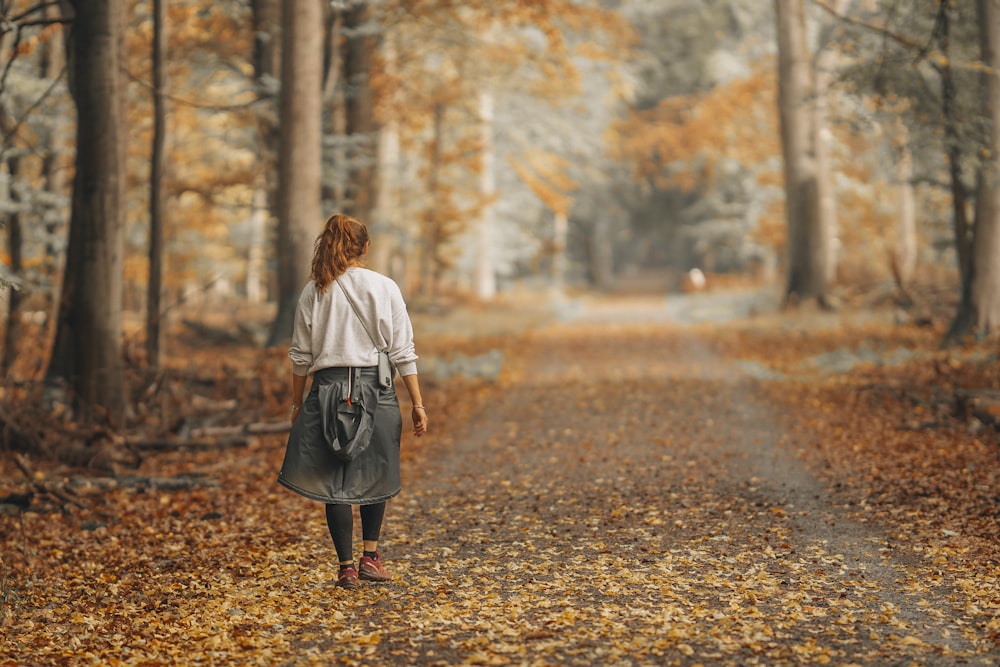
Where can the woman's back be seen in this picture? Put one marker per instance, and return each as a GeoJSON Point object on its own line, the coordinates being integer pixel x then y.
{"type": "Point", "coordinates": [330, 331]}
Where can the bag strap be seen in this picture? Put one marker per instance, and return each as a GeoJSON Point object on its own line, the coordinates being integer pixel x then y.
{"type": "Point", "coordinates": [358, 314]}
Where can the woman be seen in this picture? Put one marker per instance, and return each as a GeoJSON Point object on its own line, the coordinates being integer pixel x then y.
{"type": "Point", "coordinates": [343, 449]}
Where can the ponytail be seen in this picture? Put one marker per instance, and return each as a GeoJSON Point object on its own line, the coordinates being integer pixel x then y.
{"type": "Point", "coordinates": [339, 246]}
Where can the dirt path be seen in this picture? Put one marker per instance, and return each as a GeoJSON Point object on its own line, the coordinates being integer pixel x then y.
{"type": "Point", "coordinates": [638, 503]}
{"type": "Point", "coordinates": [621, 496]}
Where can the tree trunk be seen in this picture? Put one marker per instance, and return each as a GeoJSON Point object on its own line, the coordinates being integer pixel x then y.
{"type": "Point", "coordinates": [54, 170]}
{"type": "Point", "coordinates": [157, 207]}
{"type": "Point", "coordinates": [267, 41]}
{"type": "Point", "coordinates": [485, 274]}
{"type": "Point", "coordinates": [361, 126]}
{"type": "Point", "coordinates": [256, 261]}
{"type": "Point", "coordinates": [15, 243]}
{"type": "Point", "coordinates": [807, 240]}
{"type": "Point", "coordinates": [986, 256]}
{"type": "Point", "coordinates": [267, 72]}
{"type": "Point", "coordinates": [87, 347]}
{"type": "Point", "coordinates": [602, 255]}
{"type": "Point", "coordinates": [385, 219]}
{"type": "Point", "coordinates": [560, 230]}
{"type": "Point", "coordinates": [977, 245]}
{"type": "Point", "coordinates": [267, 65]}
{"type": "Point", "coordinates": [299, 155]}
{"type": "Point", "coordinates": [431, 224]}
{"type": "Point", "coordinates": [826, 62]}
{"type": "Point", "coordinates": [905, 254]}
{"type": "Point", "coordinates": [9, 195]}
{"type": "Point", "coordinates": [334, 112]}
{"type": "Point", "coordinates": [953, 149]}
{"type": "Point", "coordinates": [333, 24]}
{"type": "Point", "coordinates": [431, 235]}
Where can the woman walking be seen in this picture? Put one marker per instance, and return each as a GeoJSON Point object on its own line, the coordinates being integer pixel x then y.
{"type": "Point", "coordinates": [343, 449]}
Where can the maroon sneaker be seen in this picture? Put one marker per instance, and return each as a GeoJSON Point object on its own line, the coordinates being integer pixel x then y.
{"type": "Point", "coordinates": [348, 577]}
{"type": "Point", "coordinates": [372, 569]}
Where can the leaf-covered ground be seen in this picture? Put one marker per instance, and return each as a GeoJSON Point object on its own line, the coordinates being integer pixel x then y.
{"type": "Point", "coordinates": [635, 494]}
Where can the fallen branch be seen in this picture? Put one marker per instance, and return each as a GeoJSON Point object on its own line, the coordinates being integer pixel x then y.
{"type": "Point", "coordinates": [167, 445]}
{"type": "Point", "coordinates": [983, 404]}
{"type": "Point", "coordinates": [203, 404]}
{"type": "Point", "coordinates": [260, 428]}
{"type": "Point", "coordinates": [201, 439]}
{"type": "Point", "coordinates": [41, 487]}
{"type": "Point", "coordinates": [180, 482]}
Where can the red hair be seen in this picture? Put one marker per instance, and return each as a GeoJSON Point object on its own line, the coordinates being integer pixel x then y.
{"type": "Point", "coordinates": [339, 246]}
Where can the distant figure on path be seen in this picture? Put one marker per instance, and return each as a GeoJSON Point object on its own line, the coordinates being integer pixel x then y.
{"type": "Point", "coordinates": [343, 448]}
{"type": "Point", "coordinates": [694, 281]}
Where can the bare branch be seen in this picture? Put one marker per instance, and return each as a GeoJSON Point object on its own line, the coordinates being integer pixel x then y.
{"type": "Point", "coordinates": [42, 487]}
{"type": "Point", "coordinates": [198, 105]}
{"type": "Point", "coordinates": [10, 61]}
{"type": "Point", "coordinates": [873, 27]}
{"type": "Point", "coordinates": [44, 22]}
{"type": "Point", "coordinates": [34, 10]}
{"type": "Point", "coordinates": [9, 134]}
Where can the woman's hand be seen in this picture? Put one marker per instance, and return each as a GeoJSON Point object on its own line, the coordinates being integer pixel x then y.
{"type": "Point", "coordinates": [298, 391]}
{"type": "Point", "coordinates": [419, 416]}
{"type": "Point", "coordinates": [418, 413]}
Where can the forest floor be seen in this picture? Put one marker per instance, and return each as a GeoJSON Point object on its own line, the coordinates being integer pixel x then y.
{"type": "Point", "coordinates": [629, 482]}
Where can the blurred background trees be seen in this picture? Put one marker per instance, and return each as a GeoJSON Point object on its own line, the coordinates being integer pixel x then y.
{"type": "Point", "coordinates": [494, 147]}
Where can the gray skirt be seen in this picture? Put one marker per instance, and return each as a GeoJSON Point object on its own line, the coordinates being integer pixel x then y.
{"type": "Point", "coordinates": [312, 469]}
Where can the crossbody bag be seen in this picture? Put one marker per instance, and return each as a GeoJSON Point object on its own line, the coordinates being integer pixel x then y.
{"type": "Point", "coordinates": [386, 372]}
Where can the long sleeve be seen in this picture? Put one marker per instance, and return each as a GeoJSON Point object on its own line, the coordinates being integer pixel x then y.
{"type": "Point", "coordinates": [301, 351]}
{"type": "Point", "coordinates": [402, 352]}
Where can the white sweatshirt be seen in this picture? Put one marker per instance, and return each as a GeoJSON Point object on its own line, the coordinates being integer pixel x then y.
{"type": "Point", "coordinates": [328, 333]}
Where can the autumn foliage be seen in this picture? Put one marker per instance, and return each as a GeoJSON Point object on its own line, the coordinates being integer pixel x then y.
{"type": "Point", "coordinates": [683, 141]}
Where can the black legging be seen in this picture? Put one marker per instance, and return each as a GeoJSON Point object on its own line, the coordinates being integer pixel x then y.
{"type": "Point", "coordinates": [340, 521]}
